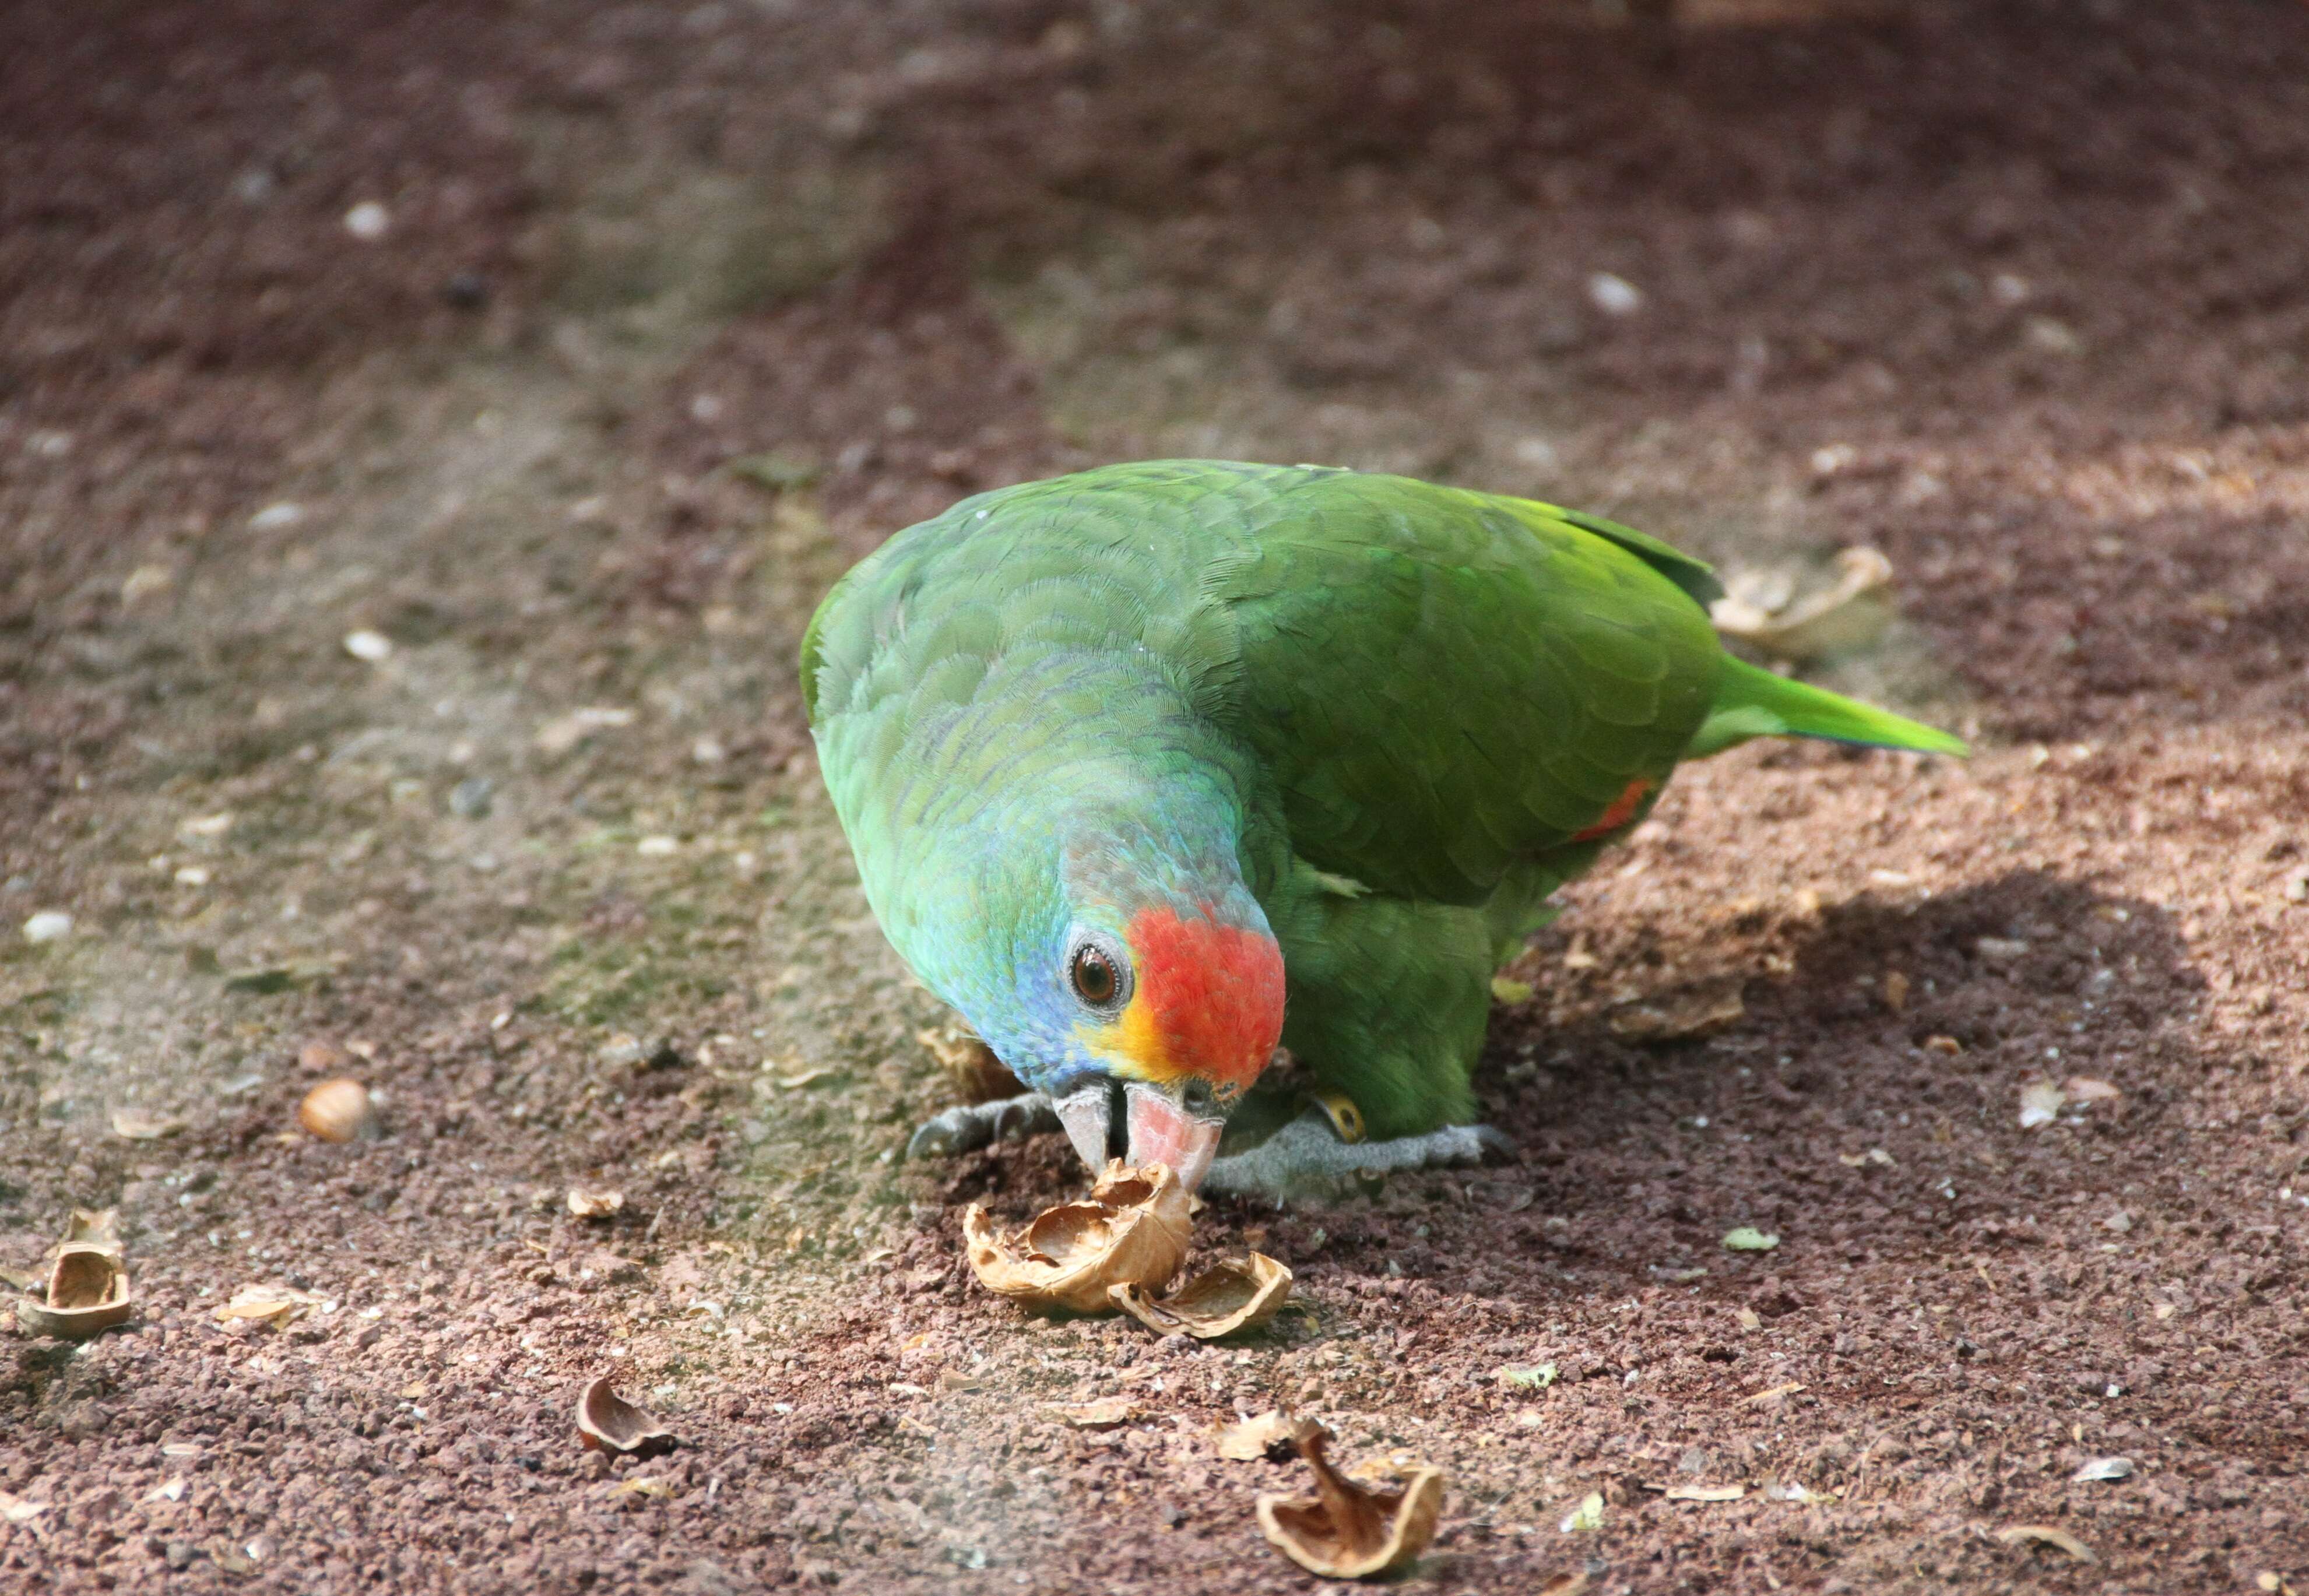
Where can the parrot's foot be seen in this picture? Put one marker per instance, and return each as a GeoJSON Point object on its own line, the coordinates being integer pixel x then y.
{"type": "Point", "coordinates": [975, 1125]}
{"type": "Point", "coordinates": [1306, 1162]}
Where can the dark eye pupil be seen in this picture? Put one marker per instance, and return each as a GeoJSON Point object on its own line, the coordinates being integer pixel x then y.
{"type": "Point", "coordinates": [1093, 976]}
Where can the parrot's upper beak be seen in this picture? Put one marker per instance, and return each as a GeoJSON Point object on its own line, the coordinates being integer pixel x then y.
{"type": "Point", "coordinates": [1178, 1127]}
{"type": "Point", "coordinates": [1172, 1129]}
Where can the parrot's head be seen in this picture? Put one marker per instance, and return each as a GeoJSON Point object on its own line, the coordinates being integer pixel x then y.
{"type": "Point", "coordinates": [1112, 956]}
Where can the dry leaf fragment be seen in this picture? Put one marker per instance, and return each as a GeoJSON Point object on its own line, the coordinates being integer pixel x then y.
{"type": "Point", "coordinates": [642, 1486]}
{"type": "Point", "coordinates": [595, 1201]}
{"type": "Point", "coordinates": [88, 1293]}
{"type": "Point", "coordinates": [1566, 1584]}
{"type": "Point", "coordinates": [1695, 1012]}
{"type": "Point", "coordinates": [608, 1422]}
{"type": "Point", "coordinates": [337, 1110]}
{"type": "Point", "coordinates": [2040, 1104]}
{"type": "Point", "coordinates": [1747, 1239]}
{"type": "Point", "coordinates": [1587, 1517]}
{"type": "Point", "coordinates": [1099, 1413]}
{"type": "Point", "coordinates": [1131, 1230]}
{"type": "Point", "coordinates": [1750, 1319]}
{"type": "Point", "coordinates": [2105, 1468]}
{"type": "Point", "coordinates": [1233, 1294]}
{"type": "Point", "coordinates": [133, 1124]}
{"type": "Point", "coordinates": [1764, 609]}
{"type": "Point", "coordinates": [2046, 1535]}
{"type": "Point", "coordinates": [1538, 1377]}
{"type": "Point", "coordinates": [977, 1074]}
{"type": "Point", "coordinates": [952, 1381]}
{"type": "Point", "coordinates": [1704, 1493]}
{"type": "Point", "coordinates": [279, 1306]}
{"type": "Point", "coordinates": [1346, 1531]}
{"type": "Point", "coordinates": [1266, 1436]}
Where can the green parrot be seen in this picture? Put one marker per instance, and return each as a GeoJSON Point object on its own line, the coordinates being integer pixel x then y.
{"type": "Point", "coordinates": [1154, 768]}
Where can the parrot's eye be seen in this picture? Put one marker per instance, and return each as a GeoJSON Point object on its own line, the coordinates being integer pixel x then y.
{"type": "Point", "coordinates": [1097, 973]}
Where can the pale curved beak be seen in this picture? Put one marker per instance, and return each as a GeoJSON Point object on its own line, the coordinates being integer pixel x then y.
{"type": "Point", "coordinates": [1169, 1128]}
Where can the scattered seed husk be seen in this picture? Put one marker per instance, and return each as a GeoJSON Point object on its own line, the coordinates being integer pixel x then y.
{"type": "Point", "coordinates": [1100, 1413]}
{"type": "Point", "coordinates": [87, 1294]}
{"type": "Point", "coordinates": [2046, 1535]}
{"type": "Point", "coordinates": [1263, 1436]}
{"type": "Point", "coordinates": [2040, 1104]}
{"type": "Point", "coordinates": [337, 1110]}
{"type": "Point", "coordinates": [975, 1072]}
{"type": "Point", "coordinates": [134, 1123]}
{"type": "Point", "coordinates": [953, 1381]}
{"type": "Point", "coordinates": [1537, 1377]}
{"type": "Point", "coordinates": [1771, 1396]}
{"type": "Point", "coordinates": [642, 1486]}
{"type": "Point", "coordinates": [1679, 1016]}
{"type": "Point", "coordinates": [2105, 1468]}
{"type": "Point", "coordinates": [1566, 1584]}
{"type": "Point", "coordinates": [595, 1201]}
{"type": "Point", "coordinates": [1874, 1155]}
{"type": "Point", "coordinates": [1131, 1230]}
{"type": "Point", "coordinates": [1347, 1531]}
{"type": "Point", "coordinates": [276, 1306]}
{"type": "Point", "coordinates": [1766, 611]}
{"type": "Point", "coordinates": [1233, 1294]}
{"type": "Point", "coordinates": [1747, 1239]}
{"type": "Point", "coordinates": [2084, 1089]}
{"type": "Point", "coordinates": [608, 1422]}
{"type": "Point", "coordinates": [1750, 1319]}
{"type": "Point", "coordinates": [1704, 1493]}
{"type": "Point", "coordinates": [15, 1510]}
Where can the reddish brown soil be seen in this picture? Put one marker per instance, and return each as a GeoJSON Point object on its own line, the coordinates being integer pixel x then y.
{"type": "Point", "coordinates": [2018, 293]}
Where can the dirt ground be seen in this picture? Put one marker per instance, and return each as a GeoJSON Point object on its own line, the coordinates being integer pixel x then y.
{"type": "Point", "coordinates": [663, 315]}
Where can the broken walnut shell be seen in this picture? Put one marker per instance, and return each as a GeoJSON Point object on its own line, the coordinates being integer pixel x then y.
{"type": "Point", "coordinates": [337, 1110]}
{"type": "Point", "coordinates": [608, 1422]}
{"type": "Point", "coordinates": [1131, 1230]}
{"type": "Point", "coordinates": [88, 1293]}
{"type": "Point", "coordinates": [1348, 1531]}
{"type": "Point", "coordinates": [1234, 1294]}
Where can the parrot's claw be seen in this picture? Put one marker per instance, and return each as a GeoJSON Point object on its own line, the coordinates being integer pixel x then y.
{"type": "Point", "coordinates": [1306, 1162]}
{"type": "Point", "coordinates": [975, 1125]}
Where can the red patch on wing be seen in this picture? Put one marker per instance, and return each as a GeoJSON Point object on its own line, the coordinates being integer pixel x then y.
{"type": "Point", "coordinates": [1623, 810]}
{"type": "Point", "coordinates": [1214, 991]}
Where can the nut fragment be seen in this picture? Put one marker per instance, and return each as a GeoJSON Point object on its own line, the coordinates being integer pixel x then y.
{"type": "Point", "coordinates": [595, 1201]}
{"type": "Point", "coordinates": [608, 1422]}
{"type": "Point", "coordinates": [88, 1293]}
{"type": "Point", "coordinates": [1695, 1012]}
{"type": "Point", "coordinates": [1131, 1230]}
{"type": "Point", "coordinates": [1266, 1436]}
{"type": "Point", "coordinates": [276, 1306]}
{"type": "Point", "coordinates": [1232, 1295]}
{"type": "Point", "coordinates": [336, 1110]}
{"type": "Point", "coordinates": [1346, 1531]}
{"type": "Point", "coordinates": [1764, 610]}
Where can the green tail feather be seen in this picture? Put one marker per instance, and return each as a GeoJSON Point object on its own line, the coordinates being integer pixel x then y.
{"type": "Point", "coordinates": [1751, 702]}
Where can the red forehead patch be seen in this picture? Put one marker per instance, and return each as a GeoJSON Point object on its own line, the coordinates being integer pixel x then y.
{"type": "Point", "coordinates": [1214, 992]}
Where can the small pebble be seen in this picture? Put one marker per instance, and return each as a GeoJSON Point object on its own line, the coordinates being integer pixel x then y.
{"type": "Point", "coordinates": [371, 646]}
{"type": "Point", "coordinates": [369, 221]}
{"type": "Point", "coordinates": [273, 517]}
{"type": "Point", "coordinates": [47, 926]}
{"type": "Point", "coordinates": [1613, 295]}
{"type": "Point", "coordinates": [471, 798]}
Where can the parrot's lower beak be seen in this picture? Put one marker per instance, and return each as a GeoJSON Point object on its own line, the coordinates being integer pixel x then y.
{"type": "Point", "coordinates": [1170, 1128]}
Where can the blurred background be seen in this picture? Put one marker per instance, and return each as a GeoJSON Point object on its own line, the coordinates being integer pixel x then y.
{"type": "Point", "coordinates": [426, 429]}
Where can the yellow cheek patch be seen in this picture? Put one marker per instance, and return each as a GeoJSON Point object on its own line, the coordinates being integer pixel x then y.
{"type": "Point", "coordinates": [1134, 1043]}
